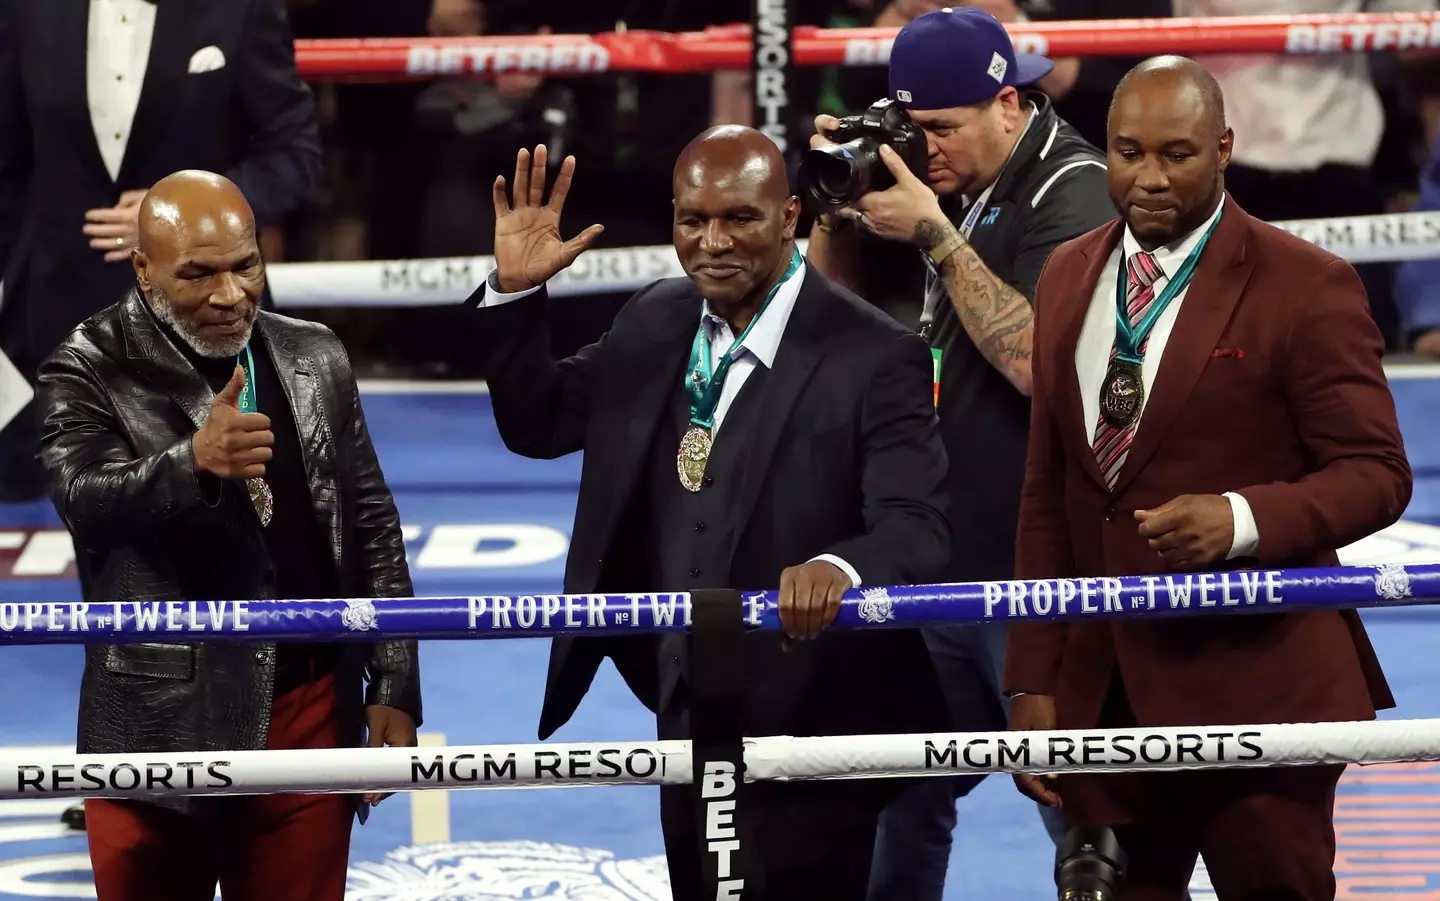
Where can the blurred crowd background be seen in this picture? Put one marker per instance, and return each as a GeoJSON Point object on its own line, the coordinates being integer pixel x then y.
{"type": "Point", "coordinates": [408, 166]}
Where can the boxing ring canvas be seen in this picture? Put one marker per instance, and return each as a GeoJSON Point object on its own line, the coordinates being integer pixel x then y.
{"type": "Point", "coordinates": [480, 520]}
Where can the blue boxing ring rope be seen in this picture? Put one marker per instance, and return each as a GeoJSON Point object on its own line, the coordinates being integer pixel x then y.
{"type": "Point", "coordinates": [498, 616]}
{"type": "Point", "coordinates": [719, 763]}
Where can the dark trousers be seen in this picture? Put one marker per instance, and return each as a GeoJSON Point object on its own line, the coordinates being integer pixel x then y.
{"type": "Point", "coordinates": [812, 840]}
{"type": "Point", "coordinates": [916, 830]}
{"type": "Point", "coordinates": [1266, 834]}
{"type": "Point", "coordinates": [275, 848]}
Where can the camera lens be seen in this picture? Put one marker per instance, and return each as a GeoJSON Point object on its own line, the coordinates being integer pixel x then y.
{"type": "Point", "coordinates": [1089, 865]}
{"type": "Point", "coordinates": [833, 174]}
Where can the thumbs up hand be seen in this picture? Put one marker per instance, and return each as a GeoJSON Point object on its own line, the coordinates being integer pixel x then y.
{"type": "Point", "coordinates": [231, 444]}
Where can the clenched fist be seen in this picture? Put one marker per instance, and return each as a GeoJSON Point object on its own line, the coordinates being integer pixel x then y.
{"type": "Point", "coordinates": [231, 444]}
{"type": "Point", "coordinates": [1191, 532]}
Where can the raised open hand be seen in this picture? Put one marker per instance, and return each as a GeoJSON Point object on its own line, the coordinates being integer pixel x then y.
{"type": "Point", "coordinates": [528, 248]}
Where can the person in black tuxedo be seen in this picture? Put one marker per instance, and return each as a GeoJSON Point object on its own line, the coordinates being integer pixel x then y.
{"type": "Point", "coordinates": [811, 460]}
{"type": "Point", "coordinates": [99, 100]}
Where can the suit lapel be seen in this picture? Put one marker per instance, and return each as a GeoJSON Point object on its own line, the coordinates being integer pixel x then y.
{"type": "Point", "coordinates": [168, 370]}
{"type": "Point", "coordinates": [652, 386]}
{"type": "Point", "coordinates": [1206, 309]}
{"type": "Point", "coordinates": [70, 26]}
{"type": "Point", "coordinates": [166, 72]}
{"type": "Point", "coordinates": [801, 350]}
{"type": "Point", "coordinates": [1070, 411]}
{"type": "Point", "coordinates": [297, 376]}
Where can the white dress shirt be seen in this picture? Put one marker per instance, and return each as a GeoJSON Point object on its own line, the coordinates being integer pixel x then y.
{"type": "Point", "coordinates": [759, 349]}
{"type": "Point", "coordinates": [117, 51]}
{"type": "Point", "coordinates": [1298, 112]}
{"type": "Point", "coordinates": [1097, 336]}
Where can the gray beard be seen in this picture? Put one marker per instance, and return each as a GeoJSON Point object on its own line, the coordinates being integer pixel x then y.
{"type": "Point", "coordinates": [160, 305]}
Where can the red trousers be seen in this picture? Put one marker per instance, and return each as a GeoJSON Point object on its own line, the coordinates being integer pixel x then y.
{"type": "Point", "coordinates": [274, 848]}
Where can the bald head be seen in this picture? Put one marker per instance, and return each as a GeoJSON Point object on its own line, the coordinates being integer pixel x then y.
{"type": "Point", "coordinates": [192, 206]}
{"type": "Point", "coordinates": [1168, 149]}
{"type": "Point", "coordinates": [733, 154]}
{"type": "Point", "coordinates": [198, 262]}
{"type": "Point", "coordinates": [1177, 78]}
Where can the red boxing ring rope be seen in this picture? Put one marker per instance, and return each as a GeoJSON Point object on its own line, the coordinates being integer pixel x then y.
{"type": "Point", "coordinates": [729, 46]}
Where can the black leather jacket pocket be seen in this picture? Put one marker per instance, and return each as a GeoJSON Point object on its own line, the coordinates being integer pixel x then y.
{"type": "Point", "coordinates": [158, 661]}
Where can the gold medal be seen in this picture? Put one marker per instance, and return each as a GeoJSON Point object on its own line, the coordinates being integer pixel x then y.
{"type": "Point", "coordinates": [263, 499]}
{"type": "Point", "coordinates": [694, 454]}
{"type": "Point", "coordinates": [1123, 394]}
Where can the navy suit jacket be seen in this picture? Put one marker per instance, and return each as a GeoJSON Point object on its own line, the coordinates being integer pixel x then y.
{"type": "Point", "coordinates": [845, 459]}
{"type": "Point", "coordinates": [251, 120]}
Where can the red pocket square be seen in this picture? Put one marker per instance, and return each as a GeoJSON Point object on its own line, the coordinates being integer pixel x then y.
{"type": "Point", "coordinates": [1235, 352]}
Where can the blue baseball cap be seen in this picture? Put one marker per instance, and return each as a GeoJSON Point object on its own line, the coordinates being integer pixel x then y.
{"type": "Point", "coordinates": [957, 56]}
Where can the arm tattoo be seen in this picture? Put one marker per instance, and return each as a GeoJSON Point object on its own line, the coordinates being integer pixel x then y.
{"type": "Point", "coordinates": [997, 317]}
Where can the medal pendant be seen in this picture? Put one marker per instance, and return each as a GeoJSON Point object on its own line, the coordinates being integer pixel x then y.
{"type": "Point", "coordinates": [694, 454]}
{"type": "Point", "coordinates": [263, 499]}
{"type": "Point", "coordinates": [1123, 394]}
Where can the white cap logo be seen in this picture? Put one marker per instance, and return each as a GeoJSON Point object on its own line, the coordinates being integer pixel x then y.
{"type": "Point", "coordinates": [902, 96]}
{"type": "Point", "coordinates": [998, 67]}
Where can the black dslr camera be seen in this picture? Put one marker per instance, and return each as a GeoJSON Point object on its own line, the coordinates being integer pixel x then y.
{"type": "Point", "coordinates": [850, 167]}
{"type": "Point", "coordinates": [1089, 865]}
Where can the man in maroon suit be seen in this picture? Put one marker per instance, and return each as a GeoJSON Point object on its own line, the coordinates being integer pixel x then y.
{"type": "Point", "coordinates": [1266, 436]}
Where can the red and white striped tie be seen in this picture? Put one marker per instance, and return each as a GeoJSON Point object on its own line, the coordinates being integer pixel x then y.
{"type": "Point", "coordinates": [1112, 444]}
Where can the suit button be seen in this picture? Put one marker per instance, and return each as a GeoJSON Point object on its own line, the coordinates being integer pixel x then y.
{"type": "Point", "coordinates": [699, 526]}
{"type": "Point", "coordinates": [1109, 514]}
{"type": "Point", "coordinates": [262, 658]}
{"type": "Point", "coordinates": [694, 572]}
{"type": "Point", "coordinates": [706, 482]}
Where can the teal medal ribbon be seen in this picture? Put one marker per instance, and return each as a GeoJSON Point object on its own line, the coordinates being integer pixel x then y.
{"type": "Point", "coordinates": [260, 494]}
{"type": "Point", "coordinates": [704, 383]}
{"type": "Point", "coordinates": [1123, 393]}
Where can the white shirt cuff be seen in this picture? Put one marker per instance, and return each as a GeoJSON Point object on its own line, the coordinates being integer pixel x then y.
{"type": "Point", "coordinates": [494, 297]}
{"type": "Point", "coordinates": [1247, 534]}
{"type": "Point", "coordinates": [841, 565]}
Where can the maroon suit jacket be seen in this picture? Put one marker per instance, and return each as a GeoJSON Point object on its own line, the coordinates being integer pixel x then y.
{"type": "Point", "coordinates": [1271, 386]}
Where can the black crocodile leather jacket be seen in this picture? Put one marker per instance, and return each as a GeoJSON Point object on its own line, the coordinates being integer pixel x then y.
{"type": "Point", "coordinates": [119, 404]}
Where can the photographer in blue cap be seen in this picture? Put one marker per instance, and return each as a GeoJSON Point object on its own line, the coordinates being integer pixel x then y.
{"type": "Point", "coordinates": [1001, 182]}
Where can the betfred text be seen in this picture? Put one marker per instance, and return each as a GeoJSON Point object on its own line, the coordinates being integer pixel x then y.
{"type": "Point", "coordinates": [718, 794]}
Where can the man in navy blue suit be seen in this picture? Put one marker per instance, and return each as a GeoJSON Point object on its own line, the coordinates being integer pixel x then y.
{"type": "Point", "coordinates": [99, 100]}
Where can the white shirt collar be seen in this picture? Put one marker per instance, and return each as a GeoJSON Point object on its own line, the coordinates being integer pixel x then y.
{"type": "Point", "coordinates": [1172, 255]}
{"type": "Point", "coordinates": [763, 342]}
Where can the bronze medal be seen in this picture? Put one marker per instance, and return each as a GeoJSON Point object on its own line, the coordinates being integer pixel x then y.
{"type": "Point", "coordinates": [1123, 394]}
{"type": "Point", "coordinates": [694, 454]}
{"type": "Point", "coordinates": [263, 499]}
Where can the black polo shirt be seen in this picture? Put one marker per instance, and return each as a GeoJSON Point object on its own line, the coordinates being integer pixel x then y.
{"type": "Point", "coordinates": [1053, 189]}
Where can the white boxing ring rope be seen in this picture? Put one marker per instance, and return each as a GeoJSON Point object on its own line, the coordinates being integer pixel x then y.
{"type": "Point", "coordinates": [1383, 238]}
{"type": "Point", "coordinates": [23, 774]}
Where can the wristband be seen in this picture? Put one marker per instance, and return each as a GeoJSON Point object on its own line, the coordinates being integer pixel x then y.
{"type": "Point", "coordinates": [941, 252]}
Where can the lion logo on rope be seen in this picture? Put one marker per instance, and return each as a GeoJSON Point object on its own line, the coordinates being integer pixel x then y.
{"type": "Point", "coordinates": [359, 615]}
{"type": "Point", "coordinates": [1392, 582]}
{"type": "Point", "coordinates": [506, 871]}
{"type": "Point", "coordinates": [876, 606]}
